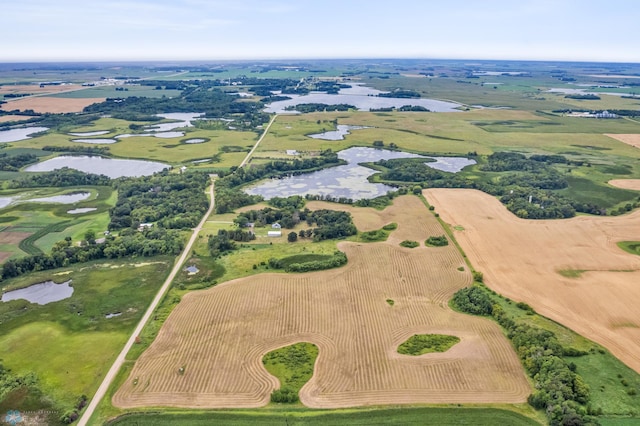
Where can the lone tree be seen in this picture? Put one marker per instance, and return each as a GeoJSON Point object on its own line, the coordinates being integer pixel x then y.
{"type": "Point", "coordinates": [292, 237]}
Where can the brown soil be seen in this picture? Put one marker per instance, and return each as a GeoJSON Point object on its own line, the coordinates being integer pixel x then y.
{"type": "Point", "coordinates": [6, 118]}
{"type": "Point", "coordinates": [220, 335]}
{"type": "Point", "coordinates": [522, 259]}
{"type": "Point", "coordinates": [631, 139]}
{"type": "Point", "coordinates": [633, 184]}
{"type": "Point", "coordinates": [34, 89]}
{"type": "Point", "coordinates": [49, 104]}
{"type": "Point", "coordinates": [10, 237]}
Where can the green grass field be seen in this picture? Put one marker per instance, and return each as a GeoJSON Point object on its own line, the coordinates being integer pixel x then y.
{"type": "Point", "coordinates": [111, 92]}
{"type": "Point", "coordinates": [70, 344]}
{"type": "Point", "coordinates": [383, 416]}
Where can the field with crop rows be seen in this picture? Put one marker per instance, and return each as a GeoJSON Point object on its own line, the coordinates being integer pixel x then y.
{"type": "Point", "coordinates": [209, 351]}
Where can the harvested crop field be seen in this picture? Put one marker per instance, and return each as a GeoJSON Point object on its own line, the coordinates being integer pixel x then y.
{"type": "Point", "coordinates": [568, 270]}
{"type": "Point", "coordinates": [631, 139]}
{"type": "Point", "coordinates": [49, 104]}
{"type": "Point", "coordinates": [633, 184]}
{"type": "Point", "coordinates": [7, 118]}
{"type": "Point", "coordinates": [218, 336]}
{"type": "Point", "coordinates": [10, 237]}
{"type": "Point", "coordinates": [37, 89]}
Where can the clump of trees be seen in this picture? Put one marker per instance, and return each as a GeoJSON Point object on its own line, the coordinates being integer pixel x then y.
{"type": "Point", "coordinates": [528, 186]}
{"type": "Point", "coordinates": [559, 390]}
{"type": "Point", "coordinates": [330, 224]}
{"type": "Point", "coordinates": [81, 149]}
{"type": "Point", "coordinates": [175, 201]}
{"type": "Point", "coordinates": [63, 177]}
{"type": "Point", "coordinates": [13, 163]}
{"type": "Point", "coordinates": [473, 300]}
{"type": "Point", "coordinates": [409, 244]}
{"type": "Point", "coordinates": [437, 241]}
{"type": "Point", "coordinates": [226, 240]}
{"type": "Point", "coordinates": [317, 107]}
{"type": "Point", "coordinates": [130, 243]}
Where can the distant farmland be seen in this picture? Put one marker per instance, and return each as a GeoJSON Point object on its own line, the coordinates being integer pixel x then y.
{"type": "Point", "coordinates": [208, 353]}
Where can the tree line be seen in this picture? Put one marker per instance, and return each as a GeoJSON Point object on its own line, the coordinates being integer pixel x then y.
{"type": "Point", "coordinates": [527, 186]}
{"type": "Point", "coordinates": [559, 390]}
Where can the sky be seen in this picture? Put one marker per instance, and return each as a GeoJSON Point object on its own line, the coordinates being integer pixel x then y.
{"type": "Point", "coordinates": [208, 30]}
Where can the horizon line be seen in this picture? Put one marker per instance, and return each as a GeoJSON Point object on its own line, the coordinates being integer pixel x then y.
{"type": "Point", "coordinates": [300, 59]}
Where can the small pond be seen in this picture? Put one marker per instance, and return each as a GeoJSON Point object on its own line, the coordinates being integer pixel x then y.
{"type": "Point", "coordinates": [5, 201]}
{"type": "Point", "coordinates": [350, 180]}
{"type": "Point", "coordinates": [167, 135]}
{"type": "Point", "coordinates": [15, 135]}
{"type": "Point", "coordinates": [87, 134]}
{"type": "Point", "coordinates": [337, 135]}
{"type": "Point", "coordinates": [82, 210]}
{"type": "Point", "coordinates": [97, 140]}
{"type": "Point", "coordinates": [450, 164]}
{"type": "Point", "coordinates": [195, 140]}
{"type": "Point", "coordinates": [113, 315]}
{"type": "Point", "coordinates": [62, 199]}
{"type": "Point", "coordinates": [114, 168]}
{"type": "Point", "coordinates": [362, 97]}
{"type": "Point", "coordinates": [192, 269]}
{"type": "Point", "coordinates": [42, 293]}
{"type": "Point", "coordinates": [181, 119]}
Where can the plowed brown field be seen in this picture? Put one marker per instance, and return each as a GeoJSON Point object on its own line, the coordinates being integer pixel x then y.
{"type": "Point", "coordinates": [626, 183]}
{"type": "Point", "coordinates": [50, 104]}
{"type": "Point", "coordinates": [521, 259]}
{"type": "Point", "coordinates": [631, 139]}
{"type": "Point", "coordinates": [220, 335]}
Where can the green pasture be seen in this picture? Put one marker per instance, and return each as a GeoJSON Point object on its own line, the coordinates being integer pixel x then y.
{"type": "Point", "coordinates": [70, 344]}
{"type": "Point", "coordinates": [440, 416]}
{"type": "Point", "coordinates": [455, 133]}
{"type": "Point", "coordinates": [111, 92]}
{"type": "Point", "coordinates": [49, 222]}
{"type": "Point", "coordinates": [225, 148]}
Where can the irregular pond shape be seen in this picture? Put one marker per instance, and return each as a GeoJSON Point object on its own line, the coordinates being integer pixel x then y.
{"type": "Point", "coordinates": [42, 293]}
{"type": "Point", "coordinates": [195, 140]}
{"type": "Point", "coordinates": [113, 315]}
{"type": "Point", "coordinates": [15, 135]}
{"type": "Point", "coordinates": [111, 167]}
{"type": "Point", "coordinates": [339, 134]}
{"type": "Point", "coordinates": [450, 164]}
{"type": "Point", "coordinates": [87, 134]}
{"type": "Point", "coordinates": [362, 97]}
{"type": "Point", "coordinates": [62, 199]}
{"type": "Point", "coordinates": [82, 210]}
{"type": "Point", "coordinates": [350, 180]}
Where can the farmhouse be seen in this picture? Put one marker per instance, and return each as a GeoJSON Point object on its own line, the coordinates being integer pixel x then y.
{"type": "Point", "coordinates": [276, 226]}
